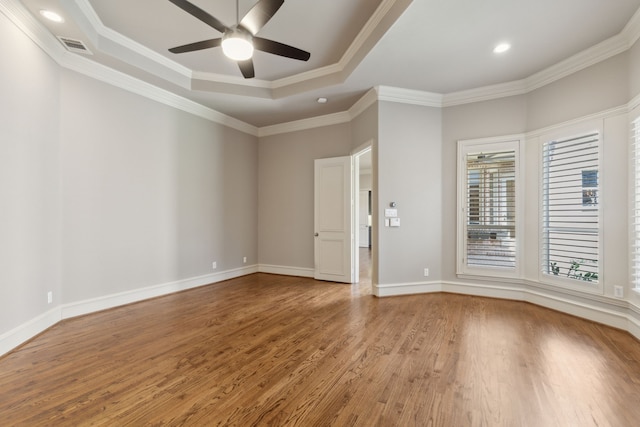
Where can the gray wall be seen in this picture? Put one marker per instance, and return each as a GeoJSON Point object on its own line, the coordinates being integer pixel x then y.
{"type": "Point", "coordinates": [364, 127]}
{"type": "Point", "coordinates": [104, 191]}
{"type": "Point", "coordinates": [286, 163]}
{"type": "Point", "coordinates": [599, 87]}
{"type": "Point", "coordinates": [150, 194]}
{"type": "Point", "coordinates": [409, 169]}
{"type": "Point", "coordinates": [634, 70]}
{"type": "Point", "coordinates": [29, 169]}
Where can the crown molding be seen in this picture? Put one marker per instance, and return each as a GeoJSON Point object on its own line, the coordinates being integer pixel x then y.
{"type": "Point", "coordinates": [485, 93]}
{"type": "Point", "coordinates": [588, 57]}
{"type": "Point", "coordinates": [93, 25]}
{"type": "Point", "coordinates": [358, 108]}
{"type": "Point", "coordinates": [373, 31]}
{"type": "Point", "coordinates": [634, 103]}
{"type": "Point", "coordinates": [231, 80]}
{"type": "Point", "coordinates": [301, 78]}
{"type": "Point", "coordinates": [120, 46]}
{"type": "Point", "coordinates": [571, 65]}
{"type": "Point", "coordinates": [631, 31]}
{"type": "Point", "coordinates": [367, 100]}
{"type": "Point", "coordinates": [305, 124]}
{"type": "Point", "coordinates": [124, 81]}
{"type": "Point", "coordinates": [33, 29]}
{"type": "Point", "coordinates": [409, 96]}
{"type": "Point", "coordinates": [22, 18]}
{"type": "Point", "coordinates": [591, 56]}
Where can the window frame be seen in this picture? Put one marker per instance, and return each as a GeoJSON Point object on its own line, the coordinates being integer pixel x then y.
{"type": "Point", "coordinates": [634, 197]}
{"type": "Point", "coordinates": [493, 144]}
{"type": "Point", "coordinates": [565, 133]}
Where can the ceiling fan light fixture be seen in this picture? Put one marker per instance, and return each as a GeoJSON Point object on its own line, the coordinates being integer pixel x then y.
{"type": "Point", "coordinates": [237, 45]}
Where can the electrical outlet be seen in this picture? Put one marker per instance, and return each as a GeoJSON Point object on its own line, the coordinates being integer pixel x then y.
{"type": "Point", "coordinates": [618, 292]}
{"type": "Point", "coordinates": [426, 272]}
{"type": "Point", "coordinates": [49, 297]}
{"type": "Point", "coordinates": [214, 265]}
{"type": "Point", "coordinates": [244, 260]}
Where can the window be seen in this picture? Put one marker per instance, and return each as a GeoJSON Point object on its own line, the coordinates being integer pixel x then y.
{"type": "Point", "coordinates": [635, 220]}
{"type": "Point", "coordinates": [590, 188]}
{"type": "Point", "coordinates": [488, 228]}
{"type": "Point", "coordinates": [570, 211]}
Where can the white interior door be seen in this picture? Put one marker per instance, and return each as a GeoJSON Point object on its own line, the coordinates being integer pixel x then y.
{"type": "Point", "coordinates": [333, 206]}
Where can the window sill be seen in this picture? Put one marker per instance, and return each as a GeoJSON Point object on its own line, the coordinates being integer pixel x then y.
{"type": "Point", "coordinates": [488, 278]}
{"type": "Point", "coordinates": [582, 286]}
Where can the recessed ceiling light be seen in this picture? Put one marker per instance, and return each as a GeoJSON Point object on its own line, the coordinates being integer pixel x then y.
{"type": "Point", "coordinates": [322, 100]}
{"type": "Point", "coordinates": [501, 48]}
{"type": "Point", "coordinates": [51, 16]}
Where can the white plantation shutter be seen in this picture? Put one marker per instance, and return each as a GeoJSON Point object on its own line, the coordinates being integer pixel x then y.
{"type": "Point", "coordinates": [490, 209]}
{"type": "Point", "coordinates": [570, 208]}
{"type": "Point", "coordinates": [635, 250]}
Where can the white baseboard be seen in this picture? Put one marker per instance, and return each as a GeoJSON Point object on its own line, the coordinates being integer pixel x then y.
{"type": "Point", "coordinates": [634, 328]}
{"type": "Point", "coordinates": [23, 333]}
{"type": "Point", "coordinates": [607, 314]}
{"type": "Point", "coordinates": [625, 317]}
{"type": "Point", "coordinates": [397, 289]}
{"type": "Point", "coordinates": [634, 320]}
{"type": "Point", "coordinates": [26, 331]}
{"type": "Point", "coordinates": [286, 271]}
{"type": "Point", "coordinates": [613, 314]}
{"type": "Point", "coordinates": [114, 300]}
{"type": "Point", "coordinates": [497, 290]}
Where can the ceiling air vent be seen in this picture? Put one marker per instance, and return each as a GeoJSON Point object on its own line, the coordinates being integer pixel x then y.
{"type": "Point", "coordinates": [75, 46]}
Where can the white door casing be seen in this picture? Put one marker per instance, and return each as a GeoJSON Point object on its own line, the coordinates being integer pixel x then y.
{"type": "Point", "coordinates": [363, 219]}
{"type": "Point", "coordinates": [333, 244]}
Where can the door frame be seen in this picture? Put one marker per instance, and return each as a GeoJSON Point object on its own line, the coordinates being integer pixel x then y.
{"type": "Point", "coordinates": [365, 148]}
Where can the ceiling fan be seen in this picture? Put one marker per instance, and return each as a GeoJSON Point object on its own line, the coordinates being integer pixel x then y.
{"type": "Point", "coordinates": [239, 41]}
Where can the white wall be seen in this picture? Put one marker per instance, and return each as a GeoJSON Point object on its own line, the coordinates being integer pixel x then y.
{"type": "Point", "coordinates": [29, 179]}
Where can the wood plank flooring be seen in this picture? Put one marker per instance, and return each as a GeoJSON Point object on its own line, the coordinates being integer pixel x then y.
{"type": "Point", "coordinates": [287, 351]}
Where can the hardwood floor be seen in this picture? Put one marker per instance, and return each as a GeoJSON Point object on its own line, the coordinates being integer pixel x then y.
{"type": "Point", "coordinates": [275, 350]}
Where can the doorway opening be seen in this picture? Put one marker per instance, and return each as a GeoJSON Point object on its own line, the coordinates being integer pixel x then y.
{"type": "Point", "coordinates": [362, 216]}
